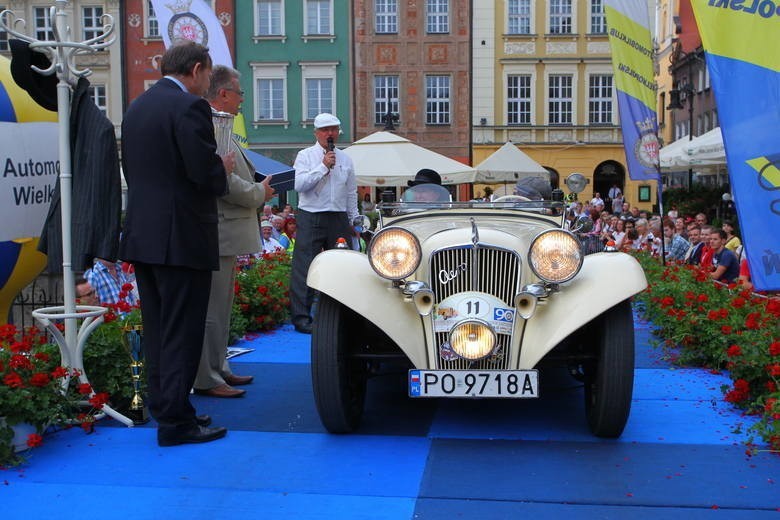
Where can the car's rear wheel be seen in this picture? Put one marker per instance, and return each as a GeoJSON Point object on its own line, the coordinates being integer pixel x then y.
{"type": "Point", "coordinates": [609, 379]}
{"type": "Point", "coordinates": [338, 376]}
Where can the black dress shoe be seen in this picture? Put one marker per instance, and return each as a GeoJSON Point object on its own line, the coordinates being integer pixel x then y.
{"type": "Point", "coordinates": [202, 420]}
{"type": "Point", "coordinates": [193, 435]}
{"type": "Point", "coordinates": [303, 327]}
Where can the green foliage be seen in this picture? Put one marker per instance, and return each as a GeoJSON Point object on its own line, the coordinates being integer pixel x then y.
{"type": "Point", "coordinates": [262, 294]}
{"type": "Point", "coordinates": [698, 199]}
{"type": "Point", "coordinates": [720, 327]}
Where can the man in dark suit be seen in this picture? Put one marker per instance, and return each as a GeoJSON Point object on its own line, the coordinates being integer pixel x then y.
{"type": "Point", "coordinates": [174, 177]}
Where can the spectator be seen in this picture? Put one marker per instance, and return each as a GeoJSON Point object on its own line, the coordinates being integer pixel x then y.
{"type": "Point", "coordinates": [676, 246]}
{"type": "Point", "coordinates": [289, 231]}
{"type": "Point", "coordinates": [732, 241]}
{"type": "Point", "coordinates": [701, 219]}
{"type": "Point", "coordinates": [724, 260]}
{"type": "Point", "coordinates": [693, 255]}
{"type": "Point", "coordinates": [597, 201]}
{"type": "Point", "coordinates": [85, 293]}
{"type": "Point", "coordinates": [268, 244]}
{"type": "Point", "coordinates": [619, 233]}
{"type": "Point", "coordinates": [705, 260]}
{"type": "Point", "coordinates": [367, 206]}
{"type": "Point", "coordinates": [110, 282]}
{"type": "Point", "coordinates": [277, 223]}
{"type": "Point", "coordinates": [679, 227]}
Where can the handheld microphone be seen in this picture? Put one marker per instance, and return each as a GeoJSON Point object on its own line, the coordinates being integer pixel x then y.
{"type": "Point", "coordinates": [331, 146]}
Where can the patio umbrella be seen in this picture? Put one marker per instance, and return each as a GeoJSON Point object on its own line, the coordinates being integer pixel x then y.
{"type": "Point", "coordinates": [509, 164]}
{"type": "Point", "coordinates": [387, 159]}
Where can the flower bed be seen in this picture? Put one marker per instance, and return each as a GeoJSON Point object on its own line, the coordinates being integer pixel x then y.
{"type": "Point", "coordinates": [719, 327]}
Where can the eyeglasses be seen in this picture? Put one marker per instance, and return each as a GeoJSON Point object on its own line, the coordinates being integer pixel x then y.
{"type": "Point", "coordinates": [239, 92]}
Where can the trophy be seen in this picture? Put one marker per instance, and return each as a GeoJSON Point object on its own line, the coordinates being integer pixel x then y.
{"type": "Point", "coordinates": [132, 338]}
{"type": "Point", "coordinates": [223, 131]}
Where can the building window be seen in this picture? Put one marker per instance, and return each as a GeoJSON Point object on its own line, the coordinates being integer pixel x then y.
{"type": "Point", "coordinates": [98, 93]}
{"type": "Point", "coordinates": [43, 27]}
{"type": "Point", "coordinates": [518, 100]}
{"type": "Point", "coordinates": [559, 104]}
{"type": "Point", "coordinates": [598, 20]}
{"type": "Point", "coordinates": [386, 13]}
{"type": "Point", "coordinates": [270, 84]}
{"type": "Point", "coordinates": [319, 96]}
{"type": "Point", "coordinates": [319, 88]}
{"type": "Point", "coordinates": [318, 17]}
{"type": "Point", "coordinates": [90, 21]}
{"type": "Point", "coordinates": [519, 12]}
{"type": "Point", "coordinates": [560, 17]}
{"type": "Point", "coordinates": [437, 16]}
{"type": "Point", "coordinates": [385, 88]}
{"type": "Point", "coordinates": [437, 100]}
{"type": "Point", "coordinates": [152, 25]}
{"type": "Point", "coordinates": [3, 34]}
{"type": "Point", "coordinates": [600, 99]}
{"type": "Point", "coordinates": [269, 18]}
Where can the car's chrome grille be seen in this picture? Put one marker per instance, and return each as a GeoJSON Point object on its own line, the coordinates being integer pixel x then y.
{"type": "Point", "coordinates": [485, 269]}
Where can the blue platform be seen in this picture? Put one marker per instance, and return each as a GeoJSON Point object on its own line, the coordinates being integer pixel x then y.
{"type": "Point", "coordinates": [682, 455]}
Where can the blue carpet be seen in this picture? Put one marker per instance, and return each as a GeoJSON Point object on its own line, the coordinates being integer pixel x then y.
{"type": "Point", "coordinates": [681, 455]}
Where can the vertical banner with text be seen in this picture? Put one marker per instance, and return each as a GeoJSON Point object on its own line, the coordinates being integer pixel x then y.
{"type": "Point", "coordinates": [632, 60]}
{"type": "Point", "coordinates": [740, 41]}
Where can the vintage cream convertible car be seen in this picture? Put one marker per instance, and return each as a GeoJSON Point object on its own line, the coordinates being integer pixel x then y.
{"type": "Point", "coordinates": [477, 298]}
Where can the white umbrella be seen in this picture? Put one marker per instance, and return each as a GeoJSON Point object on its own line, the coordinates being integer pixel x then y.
{"type": "Point", "coordinates": [387, 159]}
{"type": "Point", "coordinates": [705, 150]}
{"type": "Point", "coordinates": [509, 164]}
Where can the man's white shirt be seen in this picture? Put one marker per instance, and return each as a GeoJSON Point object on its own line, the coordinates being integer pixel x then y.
{"type": "Point", "coordinates": [320, 189]}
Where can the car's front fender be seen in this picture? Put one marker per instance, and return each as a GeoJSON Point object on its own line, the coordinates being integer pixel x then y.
{"type": "Point", "coordinates": [605, 280]}
{"type": "Point", "coordinates": [347, 277]}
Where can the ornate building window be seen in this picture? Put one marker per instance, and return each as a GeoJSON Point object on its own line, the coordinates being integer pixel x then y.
{"type": "Point", "coordinates": [518, 99]}
{"type": "Point", "coordinates": [560, 17]}
{"type": "Point", "coordinates": [99, 96]}
{"type": "Point", "coordinates": [598, 20]}
{"type": "Point", "coordinates": [437, 16]}
{"type": "Point", "coordinates": [437, 100]}
{"type": "Point", "coordinates": [386, 16]}
{"type": "Point", "coordinates": [43, 27]}
{"type": "Point", "coordinates": [560, 101]}
{"type": "Point", "coordinates": [152, 25]}
{"type": "Point", "coordinates": [270, 81]}
{"type": "Point", "coordinates": [600, 99]}
{"type": "Point", "coordinates": [385, 87]}
{"type": "Point", "coordinates": [90, 21]}
{"type": "Point", "coordinates": [519, 17]}
{"type": "Point", "coordinates": [269, 18]}
{"type": "Point", "coordinates": [318, 17]}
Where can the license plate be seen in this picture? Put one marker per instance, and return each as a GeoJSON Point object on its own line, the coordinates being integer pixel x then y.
{"type": "Point", "coordinates": [518, 384]}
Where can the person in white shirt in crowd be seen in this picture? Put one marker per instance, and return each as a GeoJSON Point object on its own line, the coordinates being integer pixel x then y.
{"type": "Point", "coordinates": [277, 222]}
{"type": "Point", "coordinates": [268, 244]}
{"type": "Point", "coordinates": [644, 237]}
{"type": "Point", "coordinates": [597, 200]}
{"type": "Point", "coordinates": [327, 208]}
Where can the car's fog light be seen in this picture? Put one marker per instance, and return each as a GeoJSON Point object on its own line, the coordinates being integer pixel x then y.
{"type": "Point", "coordinates": [472, 339]}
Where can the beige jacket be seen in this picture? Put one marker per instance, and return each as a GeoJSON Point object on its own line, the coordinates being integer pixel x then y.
{"type": "Point", "coordinates": [239, 230]}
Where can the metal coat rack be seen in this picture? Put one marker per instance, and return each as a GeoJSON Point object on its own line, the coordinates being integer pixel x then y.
{"type": "Point", "coordinates": [62, 54]}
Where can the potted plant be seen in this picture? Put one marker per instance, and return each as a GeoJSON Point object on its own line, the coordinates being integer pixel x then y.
{"type": "Point", "coordinates": [36, 392]}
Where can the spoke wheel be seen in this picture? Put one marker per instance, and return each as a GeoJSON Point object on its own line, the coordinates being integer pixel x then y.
{"type": "Point", "coordinates": [338, 378]}
{"type": "Point", "coordinates": [609, 380]}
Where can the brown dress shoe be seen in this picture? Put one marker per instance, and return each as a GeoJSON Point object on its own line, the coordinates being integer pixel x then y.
{"type": "Point", "coordinates": [234, 380]}
{"type": "Point", "coordinates": [221, 391]}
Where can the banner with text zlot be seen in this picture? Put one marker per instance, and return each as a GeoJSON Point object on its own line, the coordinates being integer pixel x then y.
{"type": "Point", "coordinates": [741, 42]}
{"type": "Point", "coordinates": [632, 60]}
{"type": "Point", "coordinates": [30, 163]}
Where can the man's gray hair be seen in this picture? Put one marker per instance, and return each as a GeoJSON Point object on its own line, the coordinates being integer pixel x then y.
{"type": "Point", "coordinates": [222, 76]}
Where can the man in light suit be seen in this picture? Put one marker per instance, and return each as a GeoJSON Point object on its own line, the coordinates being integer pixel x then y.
{"type": "Point", "coordinates": [238, 235]}
{"type": "Point", "coordinates": [174, 177]}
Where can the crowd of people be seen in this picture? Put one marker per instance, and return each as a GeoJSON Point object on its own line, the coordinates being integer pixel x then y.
{"type": "Point", "coordinates": [683, 239]}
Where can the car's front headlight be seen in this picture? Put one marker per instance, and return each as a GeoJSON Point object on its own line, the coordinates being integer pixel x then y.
{"type": "Point", "coordinates": [555, 256]}
{"type": "Point", "coordinates": [394, 253]}
{"type": "Point", "coordinates": [472, 339]}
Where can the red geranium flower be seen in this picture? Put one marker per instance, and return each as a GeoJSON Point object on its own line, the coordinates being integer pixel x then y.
{"type": "Point", "coordinates": [127, 287]}
{"type": "Point", "coordinates": [98, 400]}
{"type": "Point", "coordinates": [774, 348]}
{"type": "Point", "coordinates": [34, 440]}
{"type": "Point", "coordinates": [59, 373]}
{"type": "Point", "coordinates": [726, 330]}
{"type": "Point", "coordinates": [734, 351]}
{"type": "Point", "coordinates": [84, 389]}
{"type": "Point", "coordinates": [41, 356]}
{"type": "Point", "coordinates": [40, 379]}
{"type": "Point", "coordinates": [702, 298]}
{"type": "Point", "coordinates": [774, 370]}
{"type": "Point", "coordinates": [752, 322]}
{"type": "Point", "coordinates": [13, 380]}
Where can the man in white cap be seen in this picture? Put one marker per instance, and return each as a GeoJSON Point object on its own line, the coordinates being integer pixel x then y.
{"type": "Point", "coordinates": [268, 244]}
{"type": "Point", "coordinates": [327, 207]}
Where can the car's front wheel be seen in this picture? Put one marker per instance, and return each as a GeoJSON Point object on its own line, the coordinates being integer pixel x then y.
{"type": "Point", "coordinates": [338, 376]}
{"type": "Point", "coordinates": [609, 379]}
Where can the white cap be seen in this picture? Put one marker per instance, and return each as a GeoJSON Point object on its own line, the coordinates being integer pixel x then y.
{"type": "Point", "coordinates": [265, 223]}
{"type": "Point", "coordinates": [325, 120]}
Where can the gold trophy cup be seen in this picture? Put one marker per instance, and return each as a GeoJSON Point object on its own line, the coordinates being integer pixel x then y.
{"type": "Point", "coordinates": [132, 338]}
